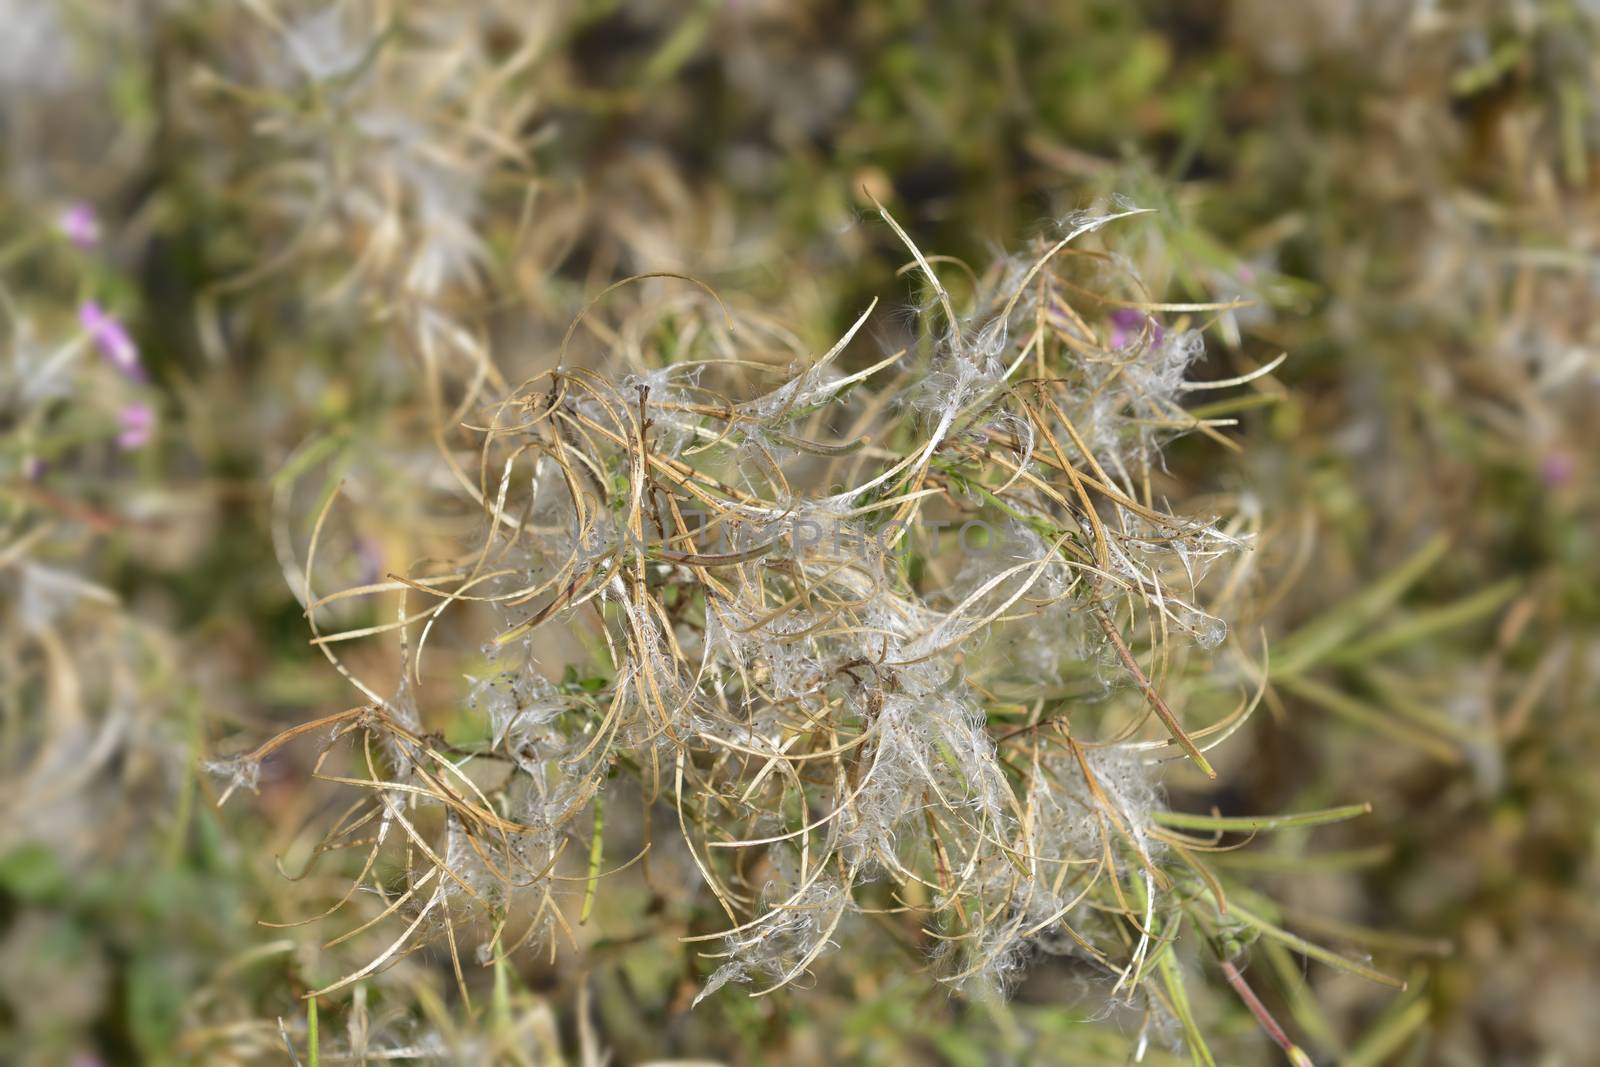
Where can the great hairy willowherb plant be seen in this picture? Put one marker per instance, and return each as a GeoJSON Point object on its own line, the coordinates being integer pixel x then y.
{"type": "Point", "coordinates": [911, 639]}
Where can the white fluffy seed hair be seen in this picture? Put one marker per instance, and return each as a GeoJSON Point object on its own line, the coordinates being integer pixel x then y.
{"type": "Point", "coordinates": [826, 712]}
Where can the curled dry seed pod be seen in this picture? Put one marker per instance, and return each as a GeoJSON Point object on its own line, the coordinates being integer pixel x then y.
{"type": "Point", "coordinates": [802, 602]}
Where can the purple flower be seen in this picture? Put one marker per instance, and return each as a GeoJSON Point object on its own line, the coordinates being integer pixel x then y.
{"type": "Point", "coordinates": [1557, 469]}
{"type": "Point", "coordinates": [111, 337]}
{"type": "Point", "coordinates": [1126, 323]}
{"type": "Point", "coordinates": [79, 225]}
{"type": "Point", "coordinates": [138, 425]}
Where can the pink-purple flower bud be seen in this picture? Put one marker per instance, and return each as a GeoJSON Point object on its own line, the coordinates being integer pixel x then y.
{"type": "Point", "coordinates": [111, 337]}
{"type": "Point", "coordinates": [138, 422]}
{"type": "Point", "coordinates": [80, 226]}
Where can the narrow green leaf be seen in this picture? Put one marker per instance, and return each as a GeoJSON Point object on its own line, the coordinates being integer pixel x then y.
{"type": "Point", "coordinates": [1166, 961]}
{"type": "Point", "coordinates": [1311, 949]}
{"type": "Point", "coordinates": [1299, 863]}
{"type": "Point", "coordinates": [1390, 1033]}
{"type": "Point", "coordinates": [596, 849]}
{"type": "Point", "coordinates": [1313, 642]}
{"type": "Point", "coordinates": [1366, 716]}
{"type": "Point", "coordinates": [312, 1054]}
{"type": "Point", "coordinates": [1183, 820]}
{"type": "Point", "coordinates": [1303, 1006]}
{"type": "Point", "coordinates": [1426, 623]}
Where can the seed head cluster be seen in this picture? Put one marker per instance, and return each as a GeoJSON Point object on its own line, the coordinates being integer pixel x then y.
{"type": "Point", "coordinates": [874, 721]}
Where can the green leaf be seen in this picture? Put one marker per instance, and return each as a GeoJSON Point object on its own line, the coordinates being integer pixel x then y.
{"type": "Point", "coordinates": [1311, 949]}
{"type": "Point", "coordinates": [1364, 715]}
{"type": "Point", "coordinates": [154, 1003]}
{"type": "Point", "coordinates": [1167, 963]}
{"type": "Point", "coordinates": [1428, 622]}
{"type": "Point", "coordinates": [1314, 642]}
{"type": "Point", "coordinates": [1183, 820]}
{"type": "Point", "coordinates": [31, 872]}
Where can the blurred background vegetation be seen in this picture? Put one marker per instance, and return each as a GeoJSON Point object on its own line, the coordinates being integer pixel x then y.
{"type": "Point", "coordinates": [322, 227]}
